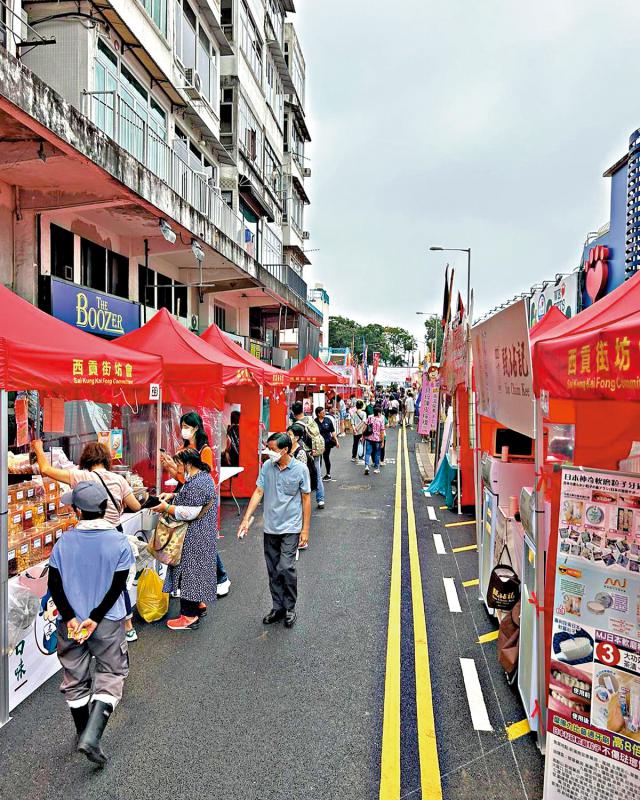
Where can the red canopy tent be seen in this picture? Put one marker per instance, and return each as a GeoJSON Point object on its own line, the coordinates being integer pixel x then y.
{"type": "Point", "coordinates": [200, 374]}
{"type": "Point", "coordinates": [594, 355]}
{"type": "Point", "coordinates": [273, 379]}
{"type": "Point", "coordinates": [40, 352]}
{"type": "Point", "coordinates": [312, 371]}
{"type": "Point", "coordinates": [195, 372]}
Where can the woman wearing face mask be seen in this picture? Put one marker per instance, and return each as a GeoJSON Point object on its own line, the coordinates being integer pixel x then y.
{"type": "Point", "coordinates": [195, 575]}
{"type": "Point", "coordinates": [194, 436]}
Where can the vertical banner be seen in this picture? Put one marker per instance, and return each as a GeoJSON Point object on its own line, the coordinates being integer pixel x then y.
{"type": "Point", "coordinates": [376, 363]}
{"type": "Point", "coordinates": [428, 405]}
{"type": "Point", "coordinates": [502, 365]}
{"type": "Point", "coordinates": [593, 747]}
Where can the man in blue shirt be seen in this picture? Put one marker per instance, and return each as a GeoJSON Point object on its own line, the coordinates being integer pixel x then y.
{"type": "Point", "coordinates": [88, 570]}
{"type": "Point", "coordinates": [285, 485]}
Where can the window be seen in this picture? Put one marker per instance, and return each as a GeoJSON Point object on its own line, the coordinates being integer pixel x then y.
{"type": "Point", "coordinates": [93, 265]}
{"type": "Point", "coordinates": [227, 196]}
{"type": "Point", "coordinates": [274, 91]}
{"type": "Point", "coordinates": [162, 292]}
{"type": "Point", "coordinates": [220, 317]}
{"type": "Point", "coordinates": [297, 145]}
{"type": "Point", "coordinates": [271, 248]}
{"type": "Point", "coordinates": [272, 169]}
{"type": "Point", "coordinates": [250, 42]}
{"type": "Point", "coordinates": [102, 269]}
{"type": "Point", "coordinates": [195, 49]}
{"type": "Point", "coordinates": [296, 70]}
{"type": "Point", "coordinates": [141, 119]}
{"type": "Point", "coordinates": [61, 253]}
{"type": "Point", "coordinates": [117, 274]}
{"type": "Point", "coordinates": [157, 10]}
{"type": "Point", "coordinates": [146, 290]}
{"type": "Point", "coordinates": [180, 299]}
{"type": "Point", "coordinates": [250, 135]}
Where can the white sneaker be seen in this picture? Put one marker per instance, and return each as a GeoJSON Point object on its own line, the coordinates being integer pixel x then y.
{"type": "Point", "coordinates": [222, 589]}
{"type": "Point", "coordinates": [132, 636]}
{"type": "Point", "coordinates": [321, 504]}
{"type": "Point", "coordinates": [376, 471]}
{"type": "Point", "coordinates": [355, 460]}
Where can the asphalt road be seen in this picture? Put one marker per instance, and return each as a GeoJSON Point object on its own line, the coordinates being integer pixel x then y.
{"type": "Point", "coordinates": [246, 712]}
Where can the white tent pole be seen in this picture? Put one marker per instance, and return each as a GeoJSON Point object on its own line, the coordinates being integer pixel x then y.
{"type": "Point", "coordinates": [4, 559]}
{"type": "Point", "coordinates": [159, 442]}
{"type": "Point", "coordinates": [539, 538]}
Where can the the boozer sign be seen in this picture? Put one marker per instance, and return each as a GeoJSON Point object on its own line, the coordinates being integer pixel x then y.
{"type": "Point", "coordinates": [92, 311]}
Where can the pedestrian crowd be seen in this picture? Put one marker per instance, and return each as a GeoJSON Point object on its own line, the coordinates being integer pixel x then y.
{"type": "Point", "coordinates": [92, 566]}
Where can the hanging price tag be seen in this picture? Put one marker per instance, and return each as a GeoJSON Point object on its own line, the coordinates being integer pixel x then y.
{"type": "Point", "coordinates": [154, 391]}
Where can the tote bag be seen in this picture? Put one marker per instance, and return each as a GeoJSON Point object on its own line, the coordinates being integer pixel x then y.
{"type": "Point", "coordinates": [504, 585]}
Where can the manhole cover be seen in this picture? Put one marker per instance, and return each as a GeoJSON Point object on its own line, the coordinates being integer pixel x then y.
{"type": "Point", "coordinates": [356, 487]}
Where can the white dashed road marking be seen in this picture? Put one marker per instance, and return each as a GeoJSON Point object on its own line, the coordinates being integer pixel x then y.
{"type": "Point", "coordinates": [452, 595]}
{"type": "Point", "coordinates": [432, 513]}
{"type": "Point", "coordinates": [440, 548]}
{"type": "Point", "coordinates": [477, 706]}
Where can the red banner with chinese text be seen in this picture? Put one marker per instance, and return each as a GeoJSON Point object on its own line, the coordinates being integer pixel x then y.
{"type": "Point", "coordinates": [601, 365]}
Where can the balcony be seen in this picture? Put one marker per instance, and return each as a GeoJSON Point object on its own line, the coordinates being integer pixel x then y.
{"type": "Point", "coordinates": [117, 119]}
{"type": "Point", "coordinates": [289, 277]}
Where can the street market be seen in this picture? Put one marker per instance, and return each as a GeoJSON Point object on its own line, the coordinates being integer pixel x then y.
{"type": "Point", "coordinates": [319, 401]}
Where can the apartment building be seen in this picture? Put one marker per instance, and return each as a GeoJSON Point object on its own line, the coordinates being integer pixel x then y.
{"type": "Point", "coordinates": [152, 154]}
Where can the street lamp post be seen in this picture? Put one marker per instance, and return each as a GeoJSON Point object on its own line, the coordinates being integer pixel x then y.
{"type": "Point", "coordinates": [466, 250]}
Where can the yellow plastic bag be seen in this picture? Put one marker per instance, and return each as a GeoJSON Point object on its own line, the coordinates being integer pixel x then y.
{"type": "Point", "coordinates": [152, 602]}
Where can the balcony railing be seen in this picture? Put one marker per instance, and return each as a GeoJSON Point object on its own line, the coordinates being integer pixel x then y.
{"type": "Point", "coordinates": [117, 119]}
{"type": "Point", "coordinates": [289, 277]}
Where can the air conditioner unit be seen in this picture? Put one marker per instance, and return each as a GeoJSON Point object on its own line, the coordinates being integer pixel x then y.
{"type": "Point", "coordinates": [306, 172]}
{"type": "Point", "coordinates": [306, 235]}
{"type": "Point", "coordinates": [193, 89]}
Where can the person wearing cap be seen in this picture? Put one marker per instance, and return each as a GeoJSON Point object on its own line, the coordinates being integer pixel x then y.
{"type": "Point", "coordinates": [88, 571]}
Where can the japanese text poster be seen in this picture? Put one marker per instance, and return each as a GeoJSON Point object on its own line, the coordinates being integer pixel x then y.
{"type": "Point", "coordinates": [594, 691]}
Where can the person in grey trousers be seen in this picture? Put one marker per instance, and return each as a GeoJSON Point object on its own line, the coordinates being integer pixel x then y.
{"type": "Point", "coordinates": [285, 486]}
{"type": "Point", "coordinates": [88, 571]}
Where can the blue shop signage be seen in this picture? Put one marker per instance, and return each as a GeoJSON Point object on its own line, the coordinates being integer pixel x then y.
{"type": "Point", "coordinates": [91, 311]}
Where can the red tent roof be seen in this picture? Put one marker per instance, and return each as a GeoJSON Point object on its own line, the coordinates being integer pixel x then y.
{"type": "Point", "coordinates": [542, 329]}
{"type": "Point", "coordinates": [264, 373]}
{"type": "Point", "coordinates": [40, 352]}
{"type": "Point", "coordinates": [594, 355]}
{"type": "Point", "coordinates": [194, 371]}
{"type": "Point", "coordinates": [313, 371]}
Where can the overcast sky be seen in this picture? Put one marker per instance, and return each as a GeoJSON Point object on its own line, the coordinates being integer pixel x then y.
{"type": "Point", "coordinates": [469, 123]}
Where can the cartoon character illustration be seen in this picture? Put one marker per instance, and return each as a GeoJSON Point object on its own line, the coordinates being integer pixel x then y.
{"type": "Point", "coordinates": [49, 614]}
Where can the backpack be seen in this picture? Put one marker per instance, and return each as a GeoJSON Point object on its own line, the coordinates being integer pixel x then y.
{"type": "Point", "coordinates": [317, 440]}
{"type": "Point", "coordinates": [359, 424]}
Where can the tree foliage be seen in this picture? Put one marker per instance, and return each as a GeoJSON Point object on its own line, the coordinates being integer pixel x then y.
{"type": "Point", "coordinates": [394, 344]}
{"type": "Point", "coordinates": [434, 334]}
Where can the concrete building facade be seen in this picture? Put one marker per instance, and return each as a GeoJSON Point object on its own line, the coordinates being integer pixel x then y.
{"type": "Point", "coordinates": [147, 155]}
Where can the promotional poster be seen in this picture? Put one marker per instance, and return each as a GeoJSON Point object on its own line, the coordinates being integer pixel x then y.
{"type": "Point", "coordinates": [594, 689]}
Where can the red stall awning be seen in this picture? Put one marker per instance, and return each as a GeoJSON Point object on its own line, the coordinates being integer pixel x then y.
{"type": "Point", "coordinates": [264, 373]}
{"type": "Point", "coordinates": [194, 372]}
{"type": "Point", "coordinates": [40, 352]}
{"type": "Point", "coordinates": [311, 371]}
{"type": "Point", "coordinates": [596, 354]}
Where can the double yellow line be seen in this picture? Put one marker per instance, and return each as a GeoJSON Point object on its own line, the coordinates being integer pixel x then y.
{"type": "Point", "coordinates": [427, 748]}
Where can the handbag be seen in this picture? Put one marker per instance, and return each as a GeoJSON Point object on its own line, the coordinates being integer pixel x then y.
{"type": "Point", "coordinates": [167, 540]}
{"type": "Point", "coordinates": [361, 449]}
{"type": "Point", "coordinates": [369, 429]}
{"type": "Point", "coordinates": [508, 640]}
{"type": "Point", "coordinates": [118, 509]}
{"type": "Point", "coordinates": [504, 585]}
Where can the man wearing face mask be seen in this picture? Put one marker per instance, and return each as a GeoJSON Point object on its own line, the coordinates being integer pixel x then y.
{"type": "Point", "coordinates": [285, 486]}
